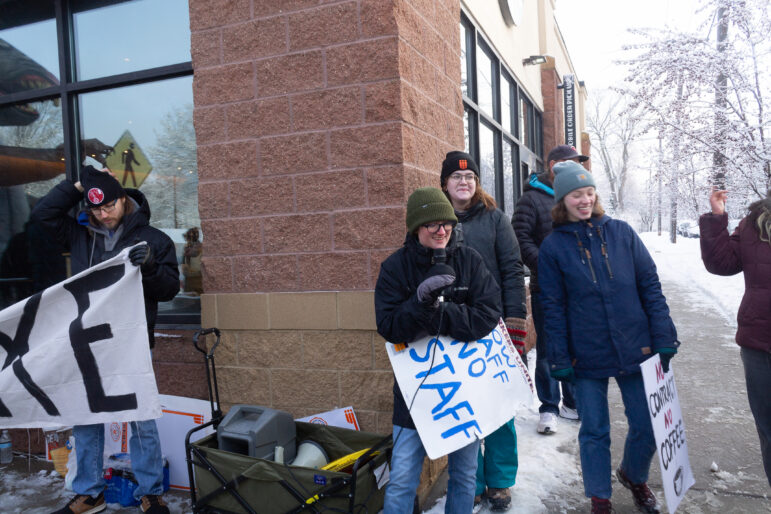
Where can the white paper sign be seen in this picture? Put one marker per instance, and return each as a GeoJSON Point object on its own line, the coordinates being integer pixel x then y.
{"type": "Point", "coordinates": [669, 430]}
{"type": "Point", "coordinates": [470, 390]}
{"type": "Point", "coordinates": [77, 353]}
{"type": "Point", "coordinates": [344, 418]}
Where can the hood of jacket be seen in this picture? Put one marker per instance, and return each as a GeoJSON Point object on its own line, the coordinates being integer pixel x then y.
{"type": "Point", "coordinates": [539, 183]}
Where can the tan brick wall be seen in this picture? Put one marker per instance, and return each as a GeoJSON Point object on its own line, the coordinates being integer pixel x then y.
{"type": "Point", "coordinates": [315, 120]}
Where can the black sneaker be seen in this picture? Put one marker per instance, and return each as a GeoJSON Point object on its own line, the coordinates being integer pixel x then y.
{"type": "Point", "coordinates": [152, 504]}
{"type": "Point", "coordinates": [643, 497]}
{"type": "Point", "coordinates": [601, 506]}
{"type": "Point", "coordinates": [83, 504]}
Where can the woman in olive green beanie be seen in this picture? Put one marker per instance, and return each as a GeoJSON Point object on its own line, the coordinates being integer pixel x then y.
{"type": "Point", "coordinates": [411, 280]}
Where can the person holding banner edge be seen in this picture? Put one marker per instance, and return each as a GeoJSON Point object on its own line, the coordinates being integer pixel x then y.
{"type": "Point", "coordinates": [432, 286]}
{"type": "Point", "coordinates": [604, 315]}
{"type": "Point", "coordinates": [747, 250]}
{"type": "Point", "coordinates": [485, 228]}
{"type": "Point", "coordinates": [114, 219]}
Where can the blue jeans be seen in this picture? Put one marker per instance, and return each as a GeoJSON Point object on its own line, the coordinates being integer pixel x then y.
{"type": "Point", "coordinates": [757, 373]}
{"type": "Point", "coordinates": [548, 388]}
{"type": "Point", "coordinates": [594, 434]}
{"type": "Point", "coordinates": [407, 463]}
{"type": "Point", "coordinates": [146, 458]}
{"type": "Point", "coordinates": [497, 468]}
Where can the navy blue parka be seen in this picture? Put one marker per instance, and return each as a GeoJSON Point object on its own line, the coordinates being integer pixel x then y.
{"type": "Point", "coordinates": [603, 306]}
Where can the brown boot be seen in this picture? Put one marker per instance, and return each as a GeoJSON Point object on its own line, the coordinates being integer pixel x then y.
{"type": "Point", "coordinates": [500, 499]}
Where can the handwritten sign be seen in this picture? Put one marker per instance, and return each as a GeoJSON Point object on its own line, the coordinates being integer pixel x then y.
{"type": "Point", "coordinates": [669, 430]}
{"type": "Point", "coordinates": [462, 391]}
{"type": "Point", "coordinates": [77, 353]}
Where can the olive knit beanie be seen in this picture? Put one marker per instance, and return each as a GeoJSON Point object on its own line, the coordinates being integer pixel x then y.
{"type": "Point", "coordinates": [427, 204]}
{"type": "Point", "coordinates": [568, 176]}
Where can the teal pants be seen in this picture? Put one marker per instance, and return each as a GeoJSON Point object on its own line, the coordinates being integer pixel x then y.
{"type": "Point", "coordinates": [497, 468]}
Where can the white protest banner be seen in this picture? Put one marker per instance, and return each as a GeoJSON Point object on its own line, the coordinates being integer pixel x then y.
{"type": "Point", "coordinates": [669, 430]}
{"type": "Point", "coordinates": [77, 353]}
{"type": "Point", "coordinates": [470, 390]}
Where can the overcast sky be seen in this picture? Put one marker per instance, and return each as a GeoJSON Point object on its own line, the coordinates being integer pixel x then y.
{"type": "Point", "coordinates": [595, 31]}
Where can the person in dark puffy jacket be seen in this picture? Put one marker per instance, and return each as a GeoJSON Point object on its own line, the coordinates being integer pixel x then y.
{"type": "Point", "coordinates": [114, 219]}
{"type": "Point", "coordinates": [532, 223]}
{"type": "Point", "coordinates": [407, 308]}
{"type": "Point", "coordinates": [486, 229]}
{"type": "Point", "coordinates": [604, 315]}
{"type": "Point", "coordinates": [747, 250]}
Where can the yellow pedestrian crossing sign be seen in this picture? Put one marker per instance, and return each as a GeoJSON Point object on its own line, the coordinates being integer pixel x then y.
{"type": "Point", "coordinates": [128, 162]}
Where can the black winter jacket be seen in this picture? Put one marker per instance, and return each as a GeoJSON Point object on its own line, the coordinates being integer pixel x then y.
{"type": "Point", "coordinates": [87, 247]}
{"type": "Point", "coordinates": [490, 234]}
{"type": "Point", "coordinates": [472, 305]}
{"type": "Point", "coordinates": [532, 222]}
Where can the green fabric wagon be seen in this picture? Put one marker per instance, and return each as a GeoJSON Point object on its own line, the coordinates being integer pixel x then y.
{"type": "Point", "coordinates": [234, 483]}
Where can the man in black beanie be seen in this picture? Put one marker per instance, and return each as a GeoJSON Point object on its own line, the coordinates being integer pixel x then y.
{"type": "Point", "coordinates": [114, 219]}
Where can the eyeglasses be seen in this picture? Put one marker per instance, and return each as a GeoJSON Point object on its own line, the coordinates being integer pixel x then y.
{"type": "Point", "coordinates": [106, 208]}
{"type": "Point", "coordinates": [465, 177]}
{"type": "Point", "coordinates": [433, 228]}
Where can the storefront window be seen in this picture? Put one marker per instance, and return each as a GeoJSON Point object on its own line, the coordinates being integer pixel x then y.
{"type": "Point", "coordinates": [484, 82]}
{"type": "Point", "coordinates": [129, 36]}
{"type": "Point", "coordinates": [487, 158]}
{"type": "Point", "coordinates": [139, 125]}
{"type": "Point", "coordinates": [500, 124]}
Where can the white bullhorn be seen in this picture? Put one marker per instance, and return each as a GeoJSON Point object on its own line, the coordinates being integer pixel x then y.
{"type": "Point", "coordinates": [310, 454]}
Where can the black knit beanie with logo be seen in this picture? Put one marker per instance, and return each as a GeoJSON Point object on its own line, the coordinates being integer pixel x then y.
{"type": "Point", "coordinates": [457, 161]}
{"type": "Point", "coordinates": [99, 187]}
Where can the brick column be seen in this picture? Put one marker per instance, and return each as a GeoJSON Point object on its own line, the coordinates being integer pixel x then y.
{"type": "Point", "coordinates": [553, 117]}
{"type": "Point", "coordinates": [314, 122]}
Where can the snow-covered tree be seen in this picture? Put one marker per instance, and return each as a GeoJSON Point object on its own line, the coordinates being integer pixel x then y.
{"type": "Point", "coordinates": [676, 82]}
{"type": "Point", "coordinates": [172, 187]}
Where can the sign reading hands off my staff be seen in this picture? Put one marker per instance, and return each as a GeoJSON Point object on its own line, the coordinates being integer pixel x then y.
{"type": "Point", "coordinates": [471, 389]}
{"type": "Point", "coordinates": [77, 353]}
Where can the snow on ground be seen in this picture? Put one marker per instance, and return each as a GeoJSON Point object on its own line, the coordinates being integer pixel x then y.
{"type": "Point", "coordinates": [681, 263]}
{"type": "Point", "coordinates": [549, 466]}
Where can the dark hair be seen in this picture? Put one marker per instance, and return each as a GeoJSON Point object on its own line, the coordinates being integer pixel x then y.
{"type": "Point", "coordinates": [760, 217]}
{"type": "Point", "coordinates": [559, 213]}
{"type": "Point", "coordinates": [480, 195]}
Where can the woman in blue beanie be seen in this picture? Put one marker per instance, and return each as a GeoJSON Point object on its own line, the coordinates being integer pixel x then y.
{"type": "Point", "coordinates": [604, 314]}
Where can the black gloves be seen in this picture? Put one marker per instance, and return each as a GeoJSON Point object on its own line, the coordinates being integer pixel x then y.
{"type": "Point", "coordinates": [439, 277]}
{"type": "Point", "coordinates": [143, 257]}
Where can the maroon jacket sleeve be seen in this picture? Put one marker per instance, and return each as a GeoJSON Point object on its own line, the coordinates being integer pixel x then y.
{"type": "Point", "coordinates": [719, 251]}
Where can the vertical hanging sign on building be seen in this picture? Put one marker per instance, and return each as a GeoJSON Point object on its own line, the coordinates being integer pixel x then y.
{"type": "Point", "coordinates": [570, 110]}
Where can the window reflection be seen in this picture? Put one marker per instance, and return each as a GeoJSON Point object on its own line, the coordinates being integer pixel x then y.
{"type": "Point", "coordinates": [28, 57]}
{"type": "Point", "coordinates": [506, 104]}
{"type": "Point", "coordinates": [484, 82]}
{"type": "Point", "coordinates": [130, 36]}
{"type": "Point", "coordinates": [150, 128]}
{"type": "Point", "coordinates": [508, 178]}
{"type": "Point", "coordinates": [487, 158]}
{"type": "Point", "coordinates": [30, 164]}
{"type": "Point", "coordinates": [464, 86]}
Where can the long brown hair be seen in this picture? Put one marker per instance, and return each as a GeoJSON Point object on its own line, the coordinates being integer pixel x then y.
{"type": "Point", "coordinates": [479, 195]}
{"type": "Point", "coordinates": [760, 215]}
{"type": "Point", "coordinates": [559, 213]}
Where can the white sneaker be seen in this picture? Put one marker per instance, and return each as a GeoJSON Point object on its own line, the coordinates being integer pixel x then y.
{"type": "Point", "coordinates": [568, 413]}
{"type": "Point", "coordinates": [547, 424]}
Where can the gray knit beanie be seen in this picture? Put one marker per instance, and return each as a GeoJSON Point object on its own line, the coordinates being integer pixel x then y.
{"type": "Point", "coordinates": [427, 204]}
{"type": "Point", "coordinates": [568, 176]}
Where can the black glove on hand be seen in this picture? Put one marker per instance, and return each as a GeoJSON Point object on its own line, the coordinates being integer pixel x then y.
{"type": "Point", "coordinates": [439, 277]}
{"type": "Point", "coordinates": [143, 257]}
